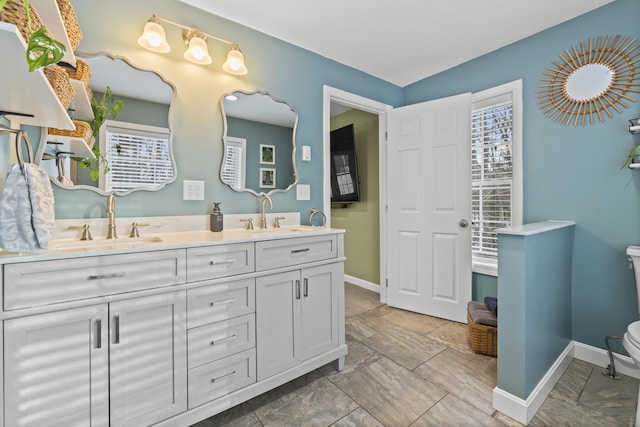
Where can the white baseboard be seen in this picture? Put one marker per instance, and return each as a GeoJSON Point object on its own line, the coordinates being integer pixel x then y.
{"type": "Point", "coordinates": [362, 283]}
{"type": "Point", "coordinates": [523, 411]}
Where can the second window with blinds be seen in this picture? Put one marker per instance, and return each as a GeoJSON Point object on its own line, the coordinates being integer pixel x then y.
{"type": "Point", "coordinates": [138, 156]}
{"type": "Point", "coordinates": [496, 170]}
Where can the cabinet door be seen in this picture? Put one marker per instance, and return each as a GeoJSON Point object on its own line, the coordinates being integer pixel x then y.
{"type": "Point", "coordinates": [316, 325]}
{"type": "Point", "coordinates": [147, 338]}
{"type": "Point", "coordinates": [56, 369]}
{"type": "Point", "coordinates": [275, 296]}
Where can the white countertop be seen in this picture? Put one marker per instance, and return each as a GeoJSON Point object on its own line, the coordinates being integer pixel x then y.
{"type": "Point", "coordinates": [535, 228]}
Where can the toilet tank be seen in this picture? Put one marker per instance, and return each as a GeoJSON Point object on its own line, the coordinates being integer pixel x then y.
{"type": "Point", "coordinates": [633, 252]}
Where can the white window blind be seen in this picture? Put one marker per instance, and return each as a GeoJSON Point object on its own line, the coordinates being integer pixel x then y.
{"type": "Point", "coordinates": [143, 160]}
{"type": "Point", "coordinates": [233, 167]}
{"type": "Point", "coordinates": [491, 173]}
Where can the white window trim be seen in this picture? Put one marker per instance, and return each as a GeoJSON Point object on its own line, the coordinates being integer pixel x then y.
{"type": "Point", "coordinates": [485, 265]}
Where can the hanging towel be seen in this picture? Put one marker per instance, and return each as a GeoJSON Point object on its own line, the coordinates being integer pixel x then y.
{"type": "Point", "coordinates": [27, 216]}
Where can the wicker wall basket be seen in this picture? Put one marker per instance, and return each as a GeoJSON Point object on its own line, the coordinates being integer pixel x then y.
{"type": "Point", "coordinates": [14, 13]}
{"type": "Point", "coordinates": [59, 80]}
{"type": "Point", "coordinates": [81, 73]}
{"type": "Point", "coordinates": [83, 130]}
{"type": "Point", "coordinates": [484, 339]}
{"type": "Point", "coordinates": [70, 23]}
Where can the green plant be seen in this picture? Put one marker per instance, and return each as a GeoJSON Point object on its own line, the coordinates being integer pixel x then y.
{"type": "Point", "coordinates": [106, 108]}
{"type": "Point", "coordinates": [42, 49]}
{"type": "Point", "coordinates": [633, 157]}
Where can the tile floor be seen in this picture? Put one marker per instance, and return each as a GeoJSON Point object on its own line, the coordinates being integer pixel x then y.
{"type": "Point", "coordinates": [404, 369]}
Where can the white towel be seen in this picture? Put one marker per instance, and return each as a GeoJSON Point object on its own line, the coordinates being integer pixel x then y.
{"type": "Point", "coordinates": [27, 215]}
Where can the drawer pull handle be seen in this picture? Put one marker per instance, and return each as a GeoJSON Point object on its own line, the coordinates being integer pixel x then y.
{"type": "Point", "coordinates": [226, 261]}
{"type": "Point", "coordinates": [213, 380]}
{"type": "Point", "coordinates": [98, 333]}
{"type": "Point", "coordinates": [297, 289]}
{"type": "Point", "coordinates": [106, 276]}
{"type": "Point", "coordinates": [221, 340]}
{"type": "Point", "coordinates": [306, 287]}
{"type": "Point", "coordinates": [223, 302]}
{"type": "Point", "coordinates": [116, 321]}
{"type": "Point", "coordinates": [297, 251]}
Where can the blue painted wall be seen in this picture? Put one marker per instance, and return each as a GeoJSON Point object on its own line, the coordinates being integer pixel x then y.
{"type": "Point", "coordinates": [534, 275]}
{"type": "Point", "coordinates": [571, 173]}
{"type": "Point", "coordinates": [285, 71]}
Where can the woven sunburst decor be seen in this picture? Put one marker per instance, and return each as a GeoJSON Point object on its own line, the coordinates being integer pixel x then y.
{"type": "Point", "coordinates": [566, 94]}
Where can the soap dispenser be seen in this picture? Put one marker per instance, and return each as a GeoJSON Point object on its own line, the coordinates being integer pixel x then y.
{"type": "Point", "coordinates": [216, 217]}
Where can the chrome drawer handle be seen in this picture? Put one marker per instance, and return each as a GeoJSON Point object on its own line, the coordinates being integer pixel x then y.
{"type": "Point", "coordinates": [221, 340]}
{"type": "Point", "coordinates": [297, 251]}
{"type": "Point", "coordinates": [106, 276]}
{"type": "Point", "coordinates": [213, 380]}
{"type": "Point", "coordinates": [223, 302]}
{"type": "Point", "coordinates": [226, 261]}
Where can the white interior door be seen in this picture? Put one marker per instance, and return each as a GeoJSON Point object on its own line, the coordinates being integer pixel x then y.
{"type": "Point", "coordinates": [429, 207]}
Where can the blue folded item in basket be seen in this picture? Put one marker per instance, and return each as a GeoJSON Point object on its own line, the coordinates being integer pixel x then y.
{"type": "Point", "coordinates": [492, 304]}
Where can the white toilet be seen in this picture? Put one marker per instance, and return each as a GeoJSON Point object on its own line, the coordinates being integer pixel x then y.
{"type": "Point", "coordinates": [631, 339]}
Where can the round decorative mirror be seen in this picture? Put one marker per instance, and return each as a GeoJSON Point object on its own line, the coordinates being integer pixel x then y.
{"type": "Point", "coordinates": [259, 141]}
{"type": "Point", "coordinates": [594, 78]}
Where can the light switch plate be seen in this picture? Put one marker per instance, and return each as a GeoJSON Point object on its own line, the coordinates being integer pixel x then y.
{"type": "Point", "coordinates": [303, 192]}
{"type": "Point", "coordinates": [192, 190]}
{"type": "Point", "coordinates": [306, 153]}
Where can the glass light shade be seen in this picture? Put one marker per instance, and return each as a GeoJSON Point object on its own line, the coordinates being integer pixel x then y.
{"type": "Point", "coordinates": [198, 51]}
{"type": "Point", "coordinates": [235, 62]}
{"type": "Point", "coordinates": [153, 38]}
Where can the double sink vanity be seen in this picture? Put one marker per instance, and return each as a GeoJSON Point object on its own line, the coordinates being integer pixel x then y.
{"type": "Point", "coordinates": [169, 328]}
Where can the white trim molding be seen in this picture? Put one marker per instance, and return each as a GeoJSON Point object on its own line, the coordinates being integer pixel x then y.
{"type": "Point", "coordinates": [523, 411]}
{"type": "Point", "coordinates": [374, 287]}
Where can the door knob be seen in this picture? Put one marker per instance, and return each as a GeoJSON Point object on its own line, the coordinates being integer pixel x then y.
{"type": "Point", "coordinates": [464, 223]}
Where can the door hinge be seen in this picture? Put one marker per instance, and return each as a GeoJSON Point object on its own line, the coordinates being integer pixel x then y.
{"type": "Point", "coordinates": [386, 283]}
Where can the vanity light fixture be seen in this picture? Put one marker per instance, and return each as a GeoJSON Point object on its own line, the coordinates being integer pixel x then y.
{"type": "Point", "coordinates": [153, 38]}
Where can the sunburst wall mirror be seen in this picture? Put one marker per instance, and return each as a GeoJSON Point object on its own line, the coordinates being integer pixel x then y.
{"type": "Point", "coordinates": [591, 80]}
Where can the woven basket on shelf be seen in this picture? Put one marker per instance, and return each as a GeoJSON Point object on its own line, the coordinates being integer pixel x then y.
{"type": "Point", "coordinates": [70, 23]}
{"type": "Point", "coordinates": [14, 13]}
{"type": "Point", "coordinates": [83, 130]}
{"type": "Point", "coordinates": [81, 73]}
{"type": "Point", "coordinates": [59, 80]}
{"type": "Point", "coordinates": [484, 339]}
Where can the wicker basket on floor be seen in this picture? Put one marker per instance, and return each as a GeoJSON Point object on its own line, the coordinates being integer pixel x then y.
{"type": "Point", "coordinates": [484, 339]}
{"type": "Point", "coordinates": [14, 13]}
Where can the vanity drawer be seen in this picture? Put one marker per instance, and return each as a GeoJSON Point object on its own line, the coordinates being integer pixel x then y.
{"type": "Point", "coordinates": [210, 304]}
{"type": "Point", "coordinates": [39, 283]}
{"type": "Point", "coordinates": [212, 342]}
{"type": "Point", "coordinates": [286, 252]}
{"type": "Point", "coordinates": [211, 262]}
{"type": "Point", "coordinates": [217, 379]}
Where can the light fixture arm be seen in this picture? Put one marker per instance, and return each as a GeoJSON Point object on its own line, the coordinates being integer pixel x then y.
{"type": "Point", "coordinates": [184, 27]}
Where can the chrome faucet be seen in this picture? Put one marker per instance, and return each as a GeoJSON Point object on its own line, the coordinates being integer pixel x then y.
{"type": "Point", "coordinates": [263, 219]}
{"type": "Point", "coordinates": [111, 213]}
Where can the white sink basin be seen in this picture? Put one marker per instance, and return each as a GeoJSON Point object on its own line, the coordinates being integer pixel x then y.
{"type": "Point", "coordinates": [125, 242]}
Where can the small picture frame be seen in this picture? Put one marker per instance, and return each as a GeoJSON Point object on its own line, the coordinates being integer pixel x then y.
{"type": "Point", "coordinates": [267, 178]}
{"type": "Point", "coordinates": [267, 154]}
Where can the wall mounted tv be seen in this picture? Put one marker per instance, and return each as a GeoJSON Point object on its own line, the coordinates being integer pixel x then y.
{"type": "Point", "coordinates": [344, 167]}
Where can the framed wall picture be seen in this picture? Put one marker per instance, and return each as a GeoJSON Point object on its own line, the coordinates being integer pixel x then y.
{"type": "Point", "coordinates": [267, 178]}
{"type": "Point", "coordinates": [267, 154]}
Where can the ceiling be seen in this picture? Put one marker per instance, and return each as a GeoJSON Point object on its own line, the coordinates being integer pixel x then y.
{"type": "Point", "coordinates": [399, 41]}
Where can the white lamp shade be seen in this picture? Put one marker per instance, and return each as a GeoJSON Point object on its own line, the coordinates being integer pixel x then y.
{"type": "Point", "coordinates": [198, 51]}
{"type": "Point", "coordinates": [235, 62]}
{"type": "Point", "coordinates": [153, 38]}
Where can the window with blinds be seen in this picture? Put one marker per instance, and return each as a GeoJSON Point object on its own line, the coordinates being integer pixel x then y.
{"type": "Point", "coordinates": [491, 174]}
{"type": "Point", "coordinates": [233, 167]}
{"type": "Point", "coordinates": [138, 156]}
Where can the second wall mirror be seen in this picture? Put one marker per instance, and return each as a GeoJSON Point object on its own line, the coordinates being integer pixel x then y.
{"type": "Point", "coordinates": [259, 143]}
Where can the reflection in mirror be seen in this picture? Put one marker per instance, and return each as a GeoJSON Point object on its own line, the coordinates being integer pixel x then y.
{"type": "Point", "coordinates": [137, 144]}
{"type": "Point", "coordinates": [589, 81]}
{"type": "Point", "coordinates": [259, 143]}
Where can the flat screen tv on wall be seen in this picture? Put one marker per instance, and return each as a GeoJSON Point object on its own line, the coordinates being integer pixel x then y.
{"type": "Point", "coordinates": [344, 167]}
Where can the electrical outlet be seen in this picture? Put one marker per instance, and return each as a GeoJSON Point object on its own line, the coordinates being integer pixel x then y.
{"type": "Point", "coordinates": [192, 190]}
{"type": "Point", "coordinates": [303, 192]}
